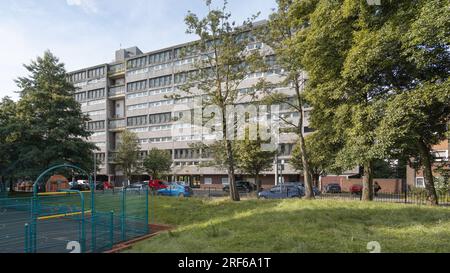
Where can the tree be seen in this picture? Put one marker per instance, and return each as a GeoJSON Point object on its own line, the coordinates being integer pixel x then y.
{"type": "Point", "coordinates": [128, 153]}
{"type": "Point", "coordinates": [252, 159]}
{"type": "Point", "coordinates": [321, 153]}
{"type": "Point", "coordinates": [50, 127]}
{"type": "Point", "coordinates": [221, 67]}
{"type": "Point", "coordinates": [363, 58]}
{"type": "Point", "coordinates": [414, 121]}
{"type": "Point", "coordinates": [157, 162]}
{"type": "Point", "coordinates": [8, 138]}
{"type": "Point", "coordinates": [280, 34]}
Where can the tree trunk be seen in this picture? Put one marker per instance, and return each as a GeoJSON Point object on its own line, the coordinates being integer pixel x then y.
{"type": "Point", "coordinates": [367, 193]}
{"type": "Point", "coordinates": [234, 194]}
{"type": "Point", "coordinates": [315, 179]}
{"type": "Point", "coordinates": [432, 198]}
{"type": "Point", "coordinates": [258, 185]}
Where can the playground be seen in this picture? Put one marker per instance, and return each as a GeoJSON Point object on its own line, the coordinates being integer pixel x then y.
{"type": "Point", "coordinates": [63, 220]}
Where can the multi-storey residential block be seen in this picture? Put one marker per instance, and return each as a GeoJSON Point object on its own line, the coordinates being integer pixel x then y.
{"type": "Point", "coordinates": [134, 93]}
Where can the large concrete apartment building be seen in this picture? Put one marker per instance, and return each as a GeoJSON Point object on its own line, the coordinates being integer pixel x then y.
{"type": "Point", "coordinates": [132, 93]}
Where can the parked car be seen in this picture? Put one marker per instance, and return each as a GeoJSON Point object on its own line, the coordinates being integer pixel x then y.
{"type": "Point", "coordinates": [157, 184]}
{"type": "Point", "coordinates": [175, 189]}
{"type": "Point", "coordinates": [356, 189]}
{"type": "Point", "coordinates": [103, 185]}
{"type": "Point", "coordinates": [287, 190]}
{"type": "Point", "coordinates": [136, 187]}
{"type": "Point", "coordinates": [333, 188]}
{"type": "Point", "coordinates": [242, 186]}
{"type": "Point", "coordinates": [79, 186]}
{"type": "Point", "coordinates": [302, 188]}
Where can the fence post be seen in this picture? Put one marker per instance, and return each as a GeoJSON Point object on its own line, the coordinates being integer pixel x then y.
{"type": "Point", "coordinates": [27, 233]}
{"type": "Point", "coordinates": [123, 215]}
{"type": "Point", "coordinates": [406, 195]}
{"type": "Point", "coordinates": [111, 229]}
{"type": "Point", "coordinates": [93, 216]}
{"type": "Point", "coordinates": [146, 211]}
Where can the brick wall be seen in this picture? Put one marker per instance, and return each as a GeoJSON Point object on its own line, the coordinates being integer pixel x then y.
{"type": "Point", "coordinates": [387, 185]}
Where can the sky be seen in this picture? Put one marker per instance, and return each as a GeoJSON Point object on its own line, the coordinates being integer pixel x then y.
{"type": "Point", "coordinates": [84, 33]}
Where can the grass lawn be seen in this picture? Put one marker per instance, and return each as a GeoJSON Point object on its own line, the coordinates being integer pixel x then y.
{"type": "Point", "coordinates": [296, 226]}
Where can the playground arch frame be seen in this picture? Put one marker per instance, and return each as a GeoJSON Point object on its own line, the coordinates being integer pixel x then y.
{"type": "Point", "coordinates": [32, 229]}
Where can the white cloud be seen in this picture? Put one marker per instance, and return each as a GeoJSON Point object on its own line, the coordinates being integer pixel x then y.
{"type": "Point", "coordinates": [88, 6]}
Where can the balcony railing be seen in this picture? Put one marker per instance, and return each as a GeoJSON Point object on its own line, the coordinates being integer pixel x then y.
{"type": "Point", "coordinates": [117, 69]}
{"type": "Point", "coordinates": [116, 90]}
{"type": "Point", "coordinates": [112, 157]}
{"type": "Point", "coordinates": [117, 124]}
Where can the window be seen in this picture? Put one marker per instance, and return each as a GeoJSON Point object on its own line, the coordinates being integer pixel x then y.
{"type": "Point", "coordinates": [80, 96]}
{"type": "Point", "coordinates": [160, 81]}
{"type": "Point", "coordinates": [160, 139]}
{"type": "Point", "coordinates": [96, 125]}
{"type": "Point", "coordinates": [420, 182]}
{"type": "Point", "coordinates": [162, 57]}
{"type": "Point", "coordinates": [96, 94]}
{"type": "Point", "coordinates": [139, 130]}
{"type": "Point", "coordinates": [160, 128]}
{"type": "Point", "coordinates": [100, 157]}
{"type": "Point", "coordinates": [96, 72]}
{"type": "Point", "coordinates": [137, 106]}
{"type": "Point", "coordinates": [96, 113]}
{"type": "Point", "coordinates": [137, 121]}
{"type": "Point", "coordinates": [160, 118]}
{"type": "Point", "coordinates": [440, 155]}
{"type": "Point", "coordinates": [161, 91]}
{"type": "Point", "coordinates": [80, 76]}
{"type": "Point", "coordinates": [95, 102]}
{"type": "Point", "coordinates": [182, 77]}
{"type": "Point", "coordinates": [137, 86]}
{"type": "Point", "coordinates": [137, 95]}
{"type": "Point", "coordinates": [225, 181]}
{"type": "Point", "coordinates": [138, 62]}
{"type": "Point", "coordinates": [160, 103]}
{"type": "Point", "coordinates": [208, 180]}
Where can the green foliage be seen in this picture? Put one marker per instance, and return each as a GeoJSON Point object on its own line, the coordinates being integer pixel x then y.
{"type": "Point", "coordinates": [48, 126]}
{"type": "Point", "coordinates": [220, 69]}
{"type": "Point", "coordinates": [253, 159]}
{"type": "Point", "coordinates": [128, 153]}
{"type": "Point", "coordinates": [378, 77]}
{"type": "Point", "coordinates": [157, 162]}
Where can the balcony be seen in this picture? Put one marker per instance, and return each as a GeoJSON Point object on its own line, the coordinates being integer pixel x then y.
{"type": "Point", "coordinates": [112, 158]}
{"type": "Point", "coordinates": [117, 125]}
{"type": "Point", "coordinates": [117, 91]}
{"type": "Point", "coordinates": [116, 70]}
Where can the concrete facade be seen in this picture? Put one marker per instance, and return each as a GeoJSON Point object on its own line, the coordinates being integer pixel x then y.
{"type": "Point", "coordinates": [132, 94]}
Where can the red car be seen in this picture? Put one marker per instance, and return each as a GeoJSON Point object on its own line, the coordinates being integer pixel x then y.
{"type": "Point", "coordinates": [156, 184]}
{"type": "Point", "coordinates": [356, 189]}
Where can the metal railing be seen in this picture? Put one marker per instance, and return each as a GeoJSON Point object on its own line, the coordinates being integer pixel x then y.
{"type": "Point", "coordinates": [117, 124]}
{"type": "Point", "coordinates": [418, 198]}
{"type": "Point", "coordinates": [116, 90]}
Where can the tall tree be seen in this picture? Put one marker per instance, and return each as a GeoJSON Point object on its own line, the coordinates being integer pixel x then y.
{"type": "Point", "coordinates": [51, 127]}
{"type": "Point", "coordinates": [8, 139]}
{"type": "Point", "coordinates": [157, 162]}
{"type": "Point", "coordinates": [253, 159]}
{"type": "Point", "coordinates": [280, 34]}
{"type": "Point", "coordinates": [321, 153]}
{"type": "Point", "coordinates": [128, 154]}
{"type": "Point", "coordinates": [220, 69]}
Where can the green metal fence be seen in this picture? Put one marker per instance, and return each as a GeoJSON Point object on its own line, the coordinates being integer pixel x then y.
{"type": "Point", "coordinates": [56, 222]}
